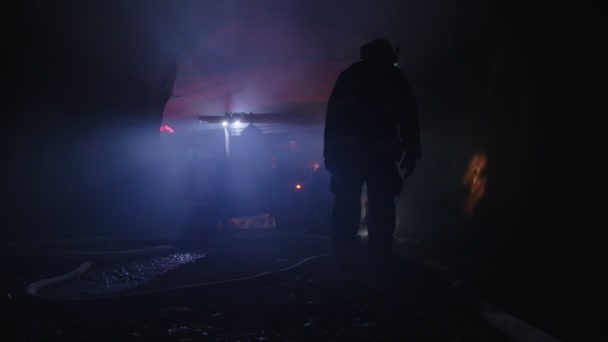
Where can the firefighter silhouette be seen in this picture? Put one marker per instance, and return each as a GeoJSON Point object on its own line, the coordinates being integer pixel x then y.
{"type": "Point", "coordinates": [371, 125]}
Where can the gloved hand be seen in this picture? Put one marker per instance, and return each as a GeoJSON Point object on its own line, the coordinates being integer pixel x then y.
{"type": "Point", "coordinates": [409, 164]}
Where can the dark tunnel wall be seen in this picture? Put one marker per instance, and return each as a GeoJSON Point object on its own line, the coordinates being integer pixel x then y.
{"type": "Point", "coordinates": [525, 220]}
{"type": "Point", "coordinates": [85, 88]}
{"type": "Point", "coordinates": [522, 138]}
{"type": "Point", "coordinates": [502, 101]}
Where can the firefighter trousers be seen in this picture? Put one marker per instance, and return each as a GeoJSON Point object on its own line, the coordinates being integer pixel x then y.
{"type": "Point", "coordinates": [384, 183]}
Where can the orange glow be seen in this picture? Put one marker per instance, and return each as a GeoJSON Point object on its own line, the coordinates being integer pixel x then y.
{"type": "Point", "coordinates": [298, 186]}
{"type": "Point", "coordinates": [475, 181]}
{"type": "Point", "coordinates": [316, 166]}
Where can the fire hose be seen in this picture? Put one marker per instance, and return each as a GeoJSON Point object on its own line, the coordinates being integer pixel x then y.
{"type": "Point", "coordinates": [34, 288]}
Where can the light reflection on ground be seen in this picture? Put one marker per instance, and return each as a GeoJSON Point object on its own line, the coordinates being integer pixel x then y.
{"type": "Point", "coordinates": [111, 279]}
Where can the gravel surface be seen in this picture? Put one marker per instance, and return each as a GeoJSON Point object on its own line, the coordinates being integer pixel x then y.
{"type": "Point", "coordinates": [316, 301]}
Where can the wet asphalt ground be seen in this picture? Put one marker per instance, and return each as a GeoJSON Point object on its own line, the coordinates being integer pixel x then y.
{"type": "Point", "coordinates": [189, 293]}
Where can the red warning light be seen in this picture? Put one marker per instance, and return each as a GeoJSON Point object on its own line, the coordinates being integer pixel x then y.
{"type": "Point", "coordinates": [166, 128]}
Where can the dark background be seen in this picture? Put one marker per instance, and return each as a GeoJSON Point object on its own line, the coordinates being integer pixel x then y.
{"type": "Point", "coordinates": [84, 79]}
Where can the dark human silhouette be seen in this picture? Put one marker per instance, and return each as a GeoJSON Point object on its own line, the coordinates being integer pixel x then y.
{"type": "Point", "coordinates": [371, 125]}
